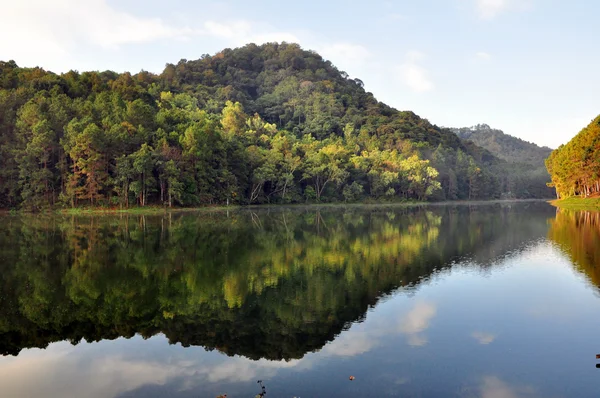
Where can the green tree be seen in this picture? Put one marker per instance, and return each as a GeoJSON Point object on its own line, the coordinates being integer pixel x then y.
{"type": "Point", "coordinates": [35, 172]}
{"type": "Point", "coordinates": [325, 163]}
{"type": "Point", "coordinates": [88, 177]}
{"type": "Point", "coordinates": [233, 119]}
{"type": "Point", "coordinates": [143, 163]}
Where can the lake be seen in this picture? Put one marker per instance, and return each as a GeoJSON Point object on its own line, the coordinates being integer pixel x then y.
{"type": "Point", "coordinates": [493, 301]}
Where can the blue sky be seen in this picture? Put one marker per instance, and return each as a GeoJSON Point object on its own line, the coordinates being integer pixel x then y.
{"type": "Point", "coordinates": [528, 67]}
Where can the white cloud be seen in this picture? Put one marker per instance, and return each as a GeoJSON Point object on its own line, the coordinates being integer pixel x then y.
{"type": "Point", "coordinates": [483, 338]}
{"type": "Point", "coordinates": [490, 9]}
{"type": "Point", "coordinates": [414, 56]}
{"type": "Point", "coordinates": [482, 55]}
{"type": "Point", "coordinates": [240, 32]}
{"type": "Point", "coordinates": [413, 75]}
{"type": "Point", "coordinates": [53, 371]}
{"type": "Point", "coordinates": [240, 369]}
{"type": "Point", "coordinates": [494, 387]}
{"type": "Point", "coordinates": [417, 340]}
{"type": "Point", "coordinates": [350, 344]}
{"type": "Point", "coordinates": [353, 52]}
{"type": "Point", "coordinates": [397, 17]}
{"type": "Point", "coordinates": [416, 322]}
{"type": "Point", "coordinates": [44, 30]}
{"type": "Point", "coordinates": [52, 34]}
{"type": "Point", "coordinates": [64, 370]}
{"type": "Point", "coordinates": [346, 56]}
{"type": "Point", "coordinates": [418, 319]}
{"type": "Point", "coordinates": [231, 30]}
{"type": "Point", "coordinates": [95, 21]}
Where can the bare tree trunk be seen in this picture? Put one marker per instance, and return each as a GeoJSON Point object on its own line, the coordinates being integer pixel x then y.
{"type": "Point", "coordinates": [255, 192]}
{"type": "Point", "coordinates": [284, 189]}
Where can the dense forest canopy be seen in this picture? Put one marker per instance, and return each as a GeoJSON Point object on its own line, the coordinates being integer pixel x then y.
{"type": "Point", "coordinates": [575, 166]}
{"type": "Point", "coordinates": [258, 124]}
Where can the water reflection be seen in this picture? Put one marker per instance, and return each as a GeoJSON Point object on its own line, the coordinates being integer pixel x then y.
{"type": "Point", "coordinates": [577, 233]}
{"type": "Point", "coordinates": [494, 387]}
{"type": "Point", "coordinates": [416, 322]}
{"type": "Point", "coordinates": [440, 301]}
{"type": "Point", "coordinates": [484, 337]}
{"type": "Point", "coordinates": [272, 285]}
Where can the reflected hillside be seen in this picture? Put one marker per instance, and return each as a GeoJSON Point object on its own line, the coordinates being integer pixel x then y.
{"type": "Point", "coordinates": [506, 229]}
{"type": "Point", "coordinates": [578, 235]}
{"type": "Point", "coordinates": [268, 284]}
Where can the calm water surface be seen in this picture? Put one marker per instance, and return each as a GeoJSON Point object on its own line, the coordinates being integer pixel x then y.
{"type": "Point", "coordinates": [491, 301]}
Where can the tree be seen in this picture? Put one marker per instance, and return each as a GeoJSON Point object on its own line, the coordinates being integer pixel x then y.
{"type": "Point", "coordinates": [36, 177]}
{"type": "Point", "coordinates": [88, 164]}
{"type": "Point", "coordinates": [574, 167]}
{"type": "Point", "coordinates": [143, 162]}
{"type": "Point", "coordinates": [325, 163]}
{"type": "Point", "coordinates": [233, 119]}
{"type": "Point", "coordinates": [124, 174]}
{"type": "Point", "coordinates": [352, 192]}
{"type": "Point", "coordinates": [174, 186]}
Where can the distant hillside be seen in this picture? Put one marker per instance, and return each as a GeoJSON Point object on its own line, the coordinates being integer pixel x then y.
{"type": "Point", "coordinates": [504, 146]}
{"type": "Point", "coordinates": [528, 176]}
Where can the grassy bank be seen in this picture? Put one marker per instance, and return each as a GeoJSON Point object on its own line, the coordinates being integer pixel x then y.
{"type": "Point", "coordinates": [149, 210]}
{"type": "Point", "coordinates": [157, 210]}
{"type": "Point", "coordinates": [367, 204]}
{"type": "Point", "coordinates": [578, 203]}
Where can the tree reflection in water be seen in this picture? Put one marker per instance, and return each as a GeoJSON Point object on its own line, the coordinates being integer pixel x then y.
{"type": "Point", "coordinates": [271, 284]}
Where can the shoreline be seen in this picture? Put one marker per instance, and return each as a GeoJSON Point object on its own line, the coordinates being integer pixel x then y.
{"type": "Point", "coordinates": [153, 210]}
{"type": "Point", "coordinates": [577, 203]}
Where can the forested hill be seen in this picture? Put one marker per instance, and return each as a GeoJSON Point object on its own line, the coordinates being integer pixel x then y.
{"type": "Point", "coordinates": [575, 166]}
{"type": "Point", "coordinates": [258, 124]}
{"type": "Point", "coordinates": [527, 175]}
{"type": "Point", "coordinates": [504, 146]}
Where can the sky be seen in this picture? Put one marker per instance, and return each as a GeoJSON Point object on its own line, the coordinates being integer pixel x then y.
{"type": "Point", "coordinates": [527, 67]}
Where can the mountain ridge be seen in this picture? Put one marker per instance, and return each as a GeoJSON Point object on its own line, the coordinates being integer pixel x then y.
{"type": "Point", "coordinates": [505, 146]}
